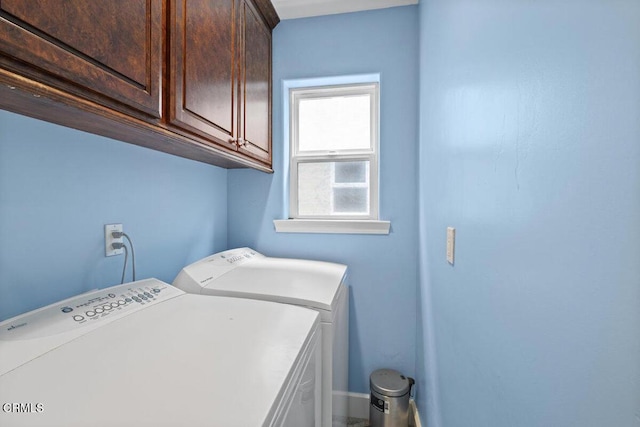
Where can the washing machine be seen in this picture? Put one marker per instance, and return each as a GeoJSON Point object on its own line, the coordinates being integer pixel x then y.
{"type": "Point", "coordinates": [148, 354]}
{"type": "Point", "coordinates": [245, 273]}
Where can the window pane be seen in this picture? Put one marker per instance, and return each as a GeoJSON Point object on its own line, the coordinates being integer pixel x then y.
{"type": "Point", "coordinates": [346, 172]}
{"type": "Point", "coordinates": [350, 200]}
{"type": "Point", "coordinates": [314, 189]}
{"type": "Point", "coordinates": [334, 123]}
{"type": "Point", "coordinates": [333, 188]}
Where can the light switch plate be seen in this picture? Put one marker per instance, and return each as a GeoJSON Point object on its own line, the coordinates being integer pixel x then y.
{"type": "Point", "coordinates": [451, 244]}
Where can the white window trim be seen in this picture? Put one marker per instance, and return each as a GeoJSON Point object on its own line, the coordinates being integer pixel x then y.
{"type": "Point", "coordinates": [335, 226]}
{"type": "Point", "coordinates": [379, 227]}
{"type": "Point", "coordinates": [370, 154]}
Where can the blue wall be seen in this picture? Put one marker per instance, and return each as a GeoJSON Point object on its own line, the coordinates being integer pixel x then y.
{"type": "Point", "coordinates": [59, 186]}
{"type": "Point", "coordinates": [383, 269]}
{"type": "Point", "coordinates": [530, 147]}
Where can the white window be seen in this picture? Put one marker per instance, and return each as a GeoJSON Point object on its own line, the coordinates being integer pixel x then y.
{"type": "Point", "coordinates": [334, 152]}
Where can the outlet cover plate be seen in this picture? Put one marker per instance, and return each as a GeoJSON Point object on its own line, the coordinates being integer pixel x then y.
{"type": "Point", "coordinates": [109, 240]}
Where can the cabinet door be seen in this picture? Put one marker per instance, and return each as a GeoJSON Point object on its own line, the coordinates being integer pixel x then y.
{"type": "Point", "coordinates": [255, 85]}
{"type": "Point", "coordinates": [93, 49]}
{"type": "Point", "coordinates": [204, 68]}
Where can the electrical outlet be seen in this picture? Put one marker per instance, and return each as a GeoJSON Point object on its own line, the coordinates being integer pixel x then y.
{"type": "Point", "coordinates": [451, 244]}
{"type": "Point", "coordinates": [109, 240]}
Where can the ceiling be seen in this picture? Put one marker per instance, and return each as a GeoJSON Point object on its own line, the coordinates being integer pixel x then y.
{"type": "Point", "coordinates": [291, 9]}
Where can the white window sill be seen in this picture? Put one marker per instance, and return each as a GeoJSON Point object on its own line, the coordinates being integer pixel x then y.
{"type": "Point", "coordinates": [333, 226]}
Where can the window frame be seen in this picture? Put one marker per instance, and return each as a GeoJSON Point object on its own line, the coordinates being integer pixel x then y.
{"type": "Point", "coordinates": [370, 154]}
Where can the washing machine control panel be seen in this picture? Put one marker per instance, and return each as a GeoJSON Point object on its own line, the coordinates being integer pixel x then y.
{"type": "Point", "coordinates": [92, 308]}
{"type": "Point", "coordinates": [194, 277]}
{"type": "Point", "coordinates": [233, 257]}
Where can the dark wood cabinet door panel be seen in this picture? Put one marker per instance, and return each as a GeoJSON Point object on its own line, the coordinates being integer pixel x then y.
{"type": "Point", "coordinates": [108, 48]}
{"type": "Point", "coordinates": [204, 68]}
{"type": "Point", "coordinates": [187, 77]}
{"type": "Point", "coordinates": [256, 85]}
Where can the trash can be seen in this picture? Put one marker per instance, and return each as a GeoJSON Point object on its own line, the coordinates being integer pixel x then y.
{"type": "Point", "coordinates": [389, 404]}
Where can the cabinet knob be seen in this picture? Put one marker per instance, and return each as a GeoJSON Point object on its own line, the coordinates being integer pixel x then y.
{"type": "Point", "coordinates": [233, 140]}
{"type": "Point", "coordinates": [242, 142]}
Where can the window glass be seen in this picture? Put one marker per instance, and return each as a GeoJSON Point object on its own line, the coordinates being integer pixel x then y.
{"type": "Point", "coordinates": [349, 172]}
{"type": "Point", "coordinates": [334, 123]}
{"type": "Point", "coordinates": [330, 188]}
{"type": "Point", "coordinates": [350, 200]}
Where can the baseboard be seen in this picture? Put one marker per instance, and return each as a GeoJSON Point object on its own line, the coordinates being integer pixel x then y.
{"type": "Point", "coordinates": [358, 404]}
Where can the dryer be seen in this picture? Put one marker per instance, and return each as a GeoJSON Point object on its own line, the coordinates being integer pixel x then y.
{"type": "Point", "coordinates": [148, 354]}
{"type": "Point", "coordinates": [245, 273]}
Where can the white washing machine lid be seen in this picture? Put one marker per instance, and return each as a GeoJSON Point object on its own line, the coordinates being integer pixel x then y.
{"type": "Point", "coordinates": [246, 273]}
{"type": "Point", "coordinates": [184, 360]}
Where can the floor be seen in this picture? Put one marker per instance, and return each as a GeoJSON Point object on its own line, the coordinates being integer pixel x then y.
{"type": "Point", "coordinates": [352, 422]}
{"type": "Point", "coordinates": [359, 422]}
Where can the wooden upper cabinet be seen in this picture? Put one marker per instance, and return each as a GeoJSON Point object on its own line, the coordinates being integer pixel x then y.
{"type": "Point", "coordinates": [204, 70]}
{"type": "Point", "coordinates": [95, 49]}
{"type": "Point", "coordinates": [220, 74]}
{"type": "Point", "coordinates": [255, 85]}
{"type": "Point", "coordinates": [187, 77]}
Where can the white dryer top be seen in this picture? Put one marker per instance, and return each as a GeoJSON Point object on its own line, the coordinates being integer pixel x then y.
{"type": "Point", "coordinates": [246, 273]}
{"type": "Point", "coordinates": [186, 360]}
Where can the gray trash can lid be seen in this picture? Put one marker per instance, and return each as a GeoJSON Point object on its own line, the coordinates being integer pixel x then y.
{"type": "Point", "coordinates": [388, 382]}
